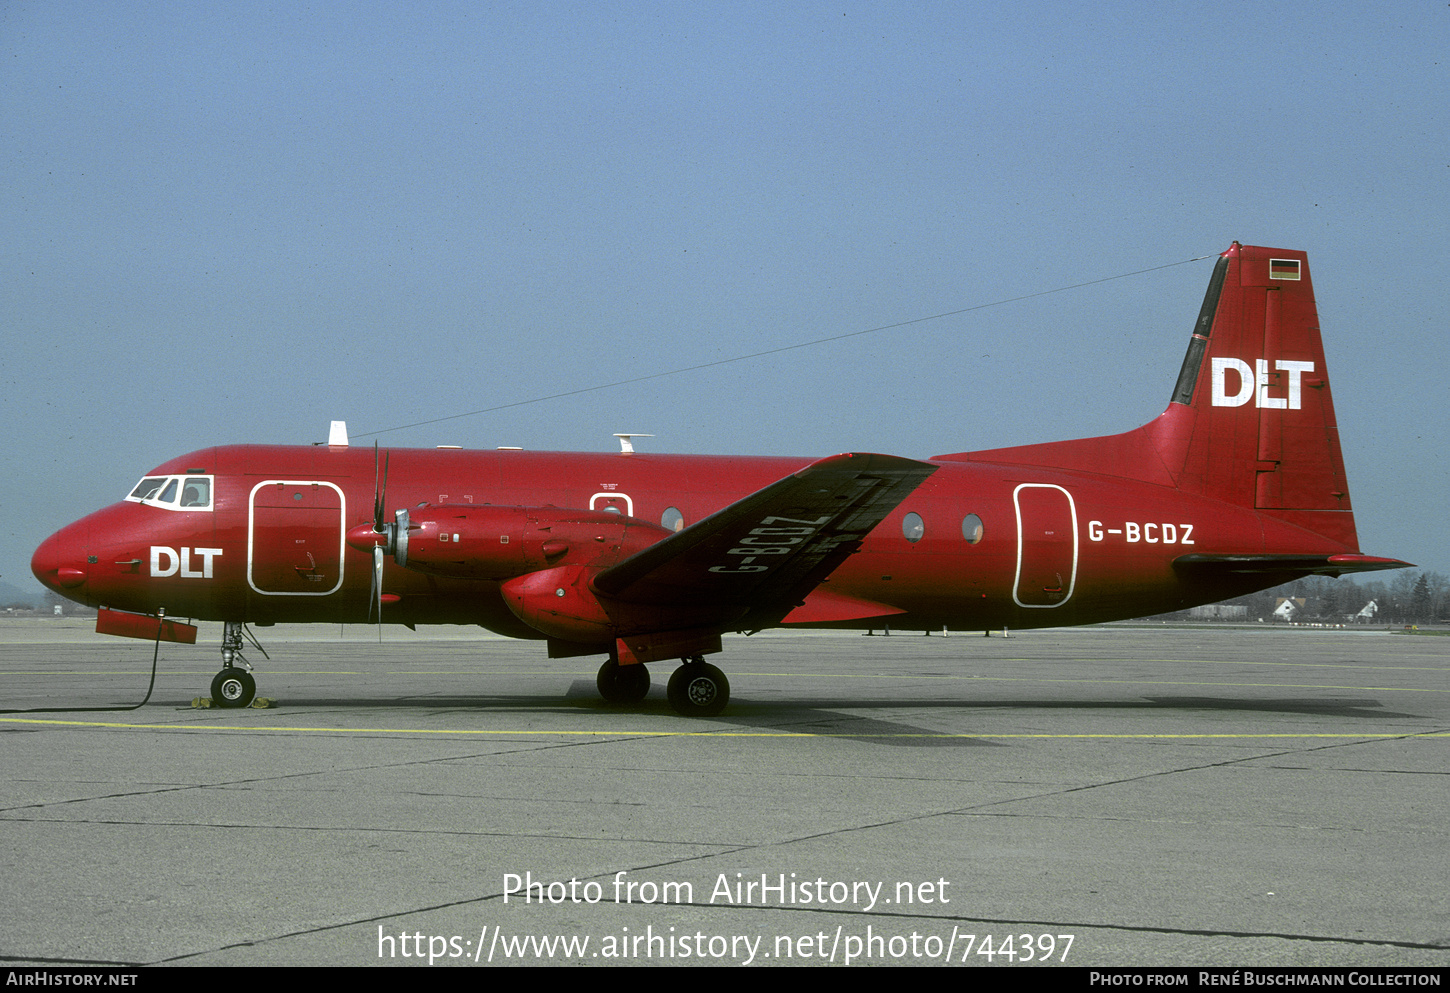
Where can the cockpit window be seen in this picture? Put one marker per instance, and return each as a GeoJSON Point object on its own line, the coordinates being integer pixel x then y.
{"type": "Point", "coordinates": [147, 488]}
{"type": "Point", "coordinates": [174, 492]}
{"type": "Point", "coordinates": [196, 493]}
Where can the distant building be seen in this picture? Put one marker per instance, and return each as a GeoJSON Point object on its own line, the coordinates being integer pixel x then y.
{"type": "Point", "coordinates": [1219, 612]}
{"type": "Point", "coordinates": [1291, 608]}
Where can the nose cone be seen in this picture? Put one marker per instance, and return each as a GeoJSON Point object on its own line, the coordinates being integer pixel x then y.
{"type": "Point", "coordinates": [61, 562]}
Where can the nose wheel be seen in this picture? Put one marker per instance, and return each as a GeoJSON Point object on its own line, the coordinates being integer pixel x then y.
{"type": "Point", "coordinates": [233, 687]}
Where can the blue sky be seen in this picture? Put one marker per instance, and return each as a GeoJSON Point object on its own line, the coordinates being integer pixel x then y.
{"type": "Point", "coordinates": [234, 223]}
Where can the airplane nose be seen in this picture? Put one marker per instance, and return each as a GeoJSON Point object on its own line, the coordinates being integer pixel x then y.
{"type": "Point", "coordinates": [60, 562]}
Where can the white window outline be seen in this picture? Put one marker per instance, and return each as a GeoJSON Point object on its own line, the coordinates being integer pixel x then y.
{"type": "Point", "coordinates": [174, 504]}
{"type": "Point", "coordinates": [628, 503]}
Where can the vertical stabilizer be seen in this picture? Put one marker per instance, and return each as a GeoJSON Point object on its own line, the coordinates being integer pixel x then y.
{"type": "Point", "coordinates": [1251, 420]}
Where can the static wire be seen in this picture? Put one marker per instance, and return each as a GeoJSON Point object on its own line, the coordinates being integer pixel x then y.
{"type": "Point", "coordinates": [777, 351]}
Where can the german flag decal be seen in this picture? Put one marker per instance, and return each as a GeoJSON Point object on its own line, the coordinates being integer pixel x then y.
{"type": "Point", "coordinates": [1283, 268]}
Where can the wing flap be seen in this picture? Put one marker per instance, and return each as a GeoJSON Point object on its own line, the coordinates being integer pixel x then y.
{"type": "Point", "coordinates": [767, 551]}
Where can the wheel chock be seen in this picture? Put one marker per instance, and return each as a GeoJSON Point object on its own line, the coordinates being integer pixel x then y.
{"type": "Point", "coordinates": [258, 703]}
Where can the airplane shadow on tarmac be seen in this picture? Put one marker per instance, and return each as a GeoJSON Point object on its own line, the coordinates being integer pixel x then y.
{"type": "Point", "coordinates": [824, 716]}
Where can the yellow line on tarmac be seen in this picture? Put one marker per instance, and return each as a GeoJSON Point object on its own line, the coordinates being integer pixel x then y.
{"type": "Point", "coordinates": [903, 677]}
{"type": "Point", "coordinates": [703, 734]}
{"type": "Point", "coordinates": [1301, 665]}
{"type": "Point", "coordinates": [1104, 682]}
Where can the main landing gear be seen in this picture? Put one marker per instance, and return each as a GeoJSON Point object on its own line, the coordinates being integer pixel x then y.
{"type": "Point", "coordinates": [622, 683]}
{"type": "Point", "coordinates": [696, 688]}
{"type": "Point", "coordinates": [234, 686]}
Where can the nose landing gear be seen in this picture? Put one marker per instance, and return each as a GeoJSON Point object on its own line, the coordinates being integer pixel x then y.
{"type": "Point", "coordinates": [234, 686]}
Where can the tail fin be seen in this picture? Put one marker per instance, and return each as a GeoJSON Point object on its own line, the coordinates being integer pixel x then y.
{"type": "Point", "coordinates": [1251, 421]}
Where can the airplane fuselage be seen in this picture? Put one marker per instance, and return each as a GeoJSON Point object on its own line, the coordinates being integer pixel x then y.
{"type": "Point", "coordinates": [976, 546]}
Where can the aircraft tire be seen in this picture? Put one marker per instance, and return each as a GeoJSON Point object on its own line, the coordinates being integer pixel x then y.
{"type": "Point", "coordinates": [698, 689]}
{"type": "Point", "coordinates": [233, 688]}
{"type": "Point", "coordinates": [622, 683]}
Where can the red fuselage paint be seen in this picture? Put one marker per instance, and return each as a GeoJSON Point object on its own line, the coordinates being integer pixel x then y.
{"type": "Point", "coordinates": [1055, 548]}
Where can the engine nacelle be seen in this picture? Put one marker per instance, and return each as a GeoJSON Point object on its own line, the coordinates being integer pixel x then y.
{"type": "Point", "coordinates": [473, 541]}
{"type": "Point", "coordinates": [559, 603]}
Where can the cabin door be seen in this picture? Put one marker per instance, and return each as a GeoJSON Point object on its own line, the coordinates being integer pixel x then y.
{"type": "Point", "coordinates": [1046, 545]}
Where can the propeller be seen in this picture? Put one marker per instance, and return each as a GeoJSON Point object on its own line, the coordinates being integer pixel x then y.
{"type": "Point", "coordinates": [394, 534]}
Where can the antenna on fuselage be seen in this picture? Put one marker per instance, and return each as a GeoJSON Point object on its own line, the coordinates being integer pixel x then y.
{"type": "Point", "coordinates": [337, 435]}
{"type": "Point", "coordinates": [625, 446]}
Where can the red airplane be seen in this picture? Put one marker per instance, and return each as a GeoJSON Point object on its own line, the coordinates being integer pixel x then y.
{"type": "Point", "coordinates": [1238, 486]}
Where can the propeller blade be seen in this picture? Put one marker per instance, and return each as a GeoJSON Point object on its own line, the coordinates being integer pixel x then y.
{"type": "Point", "coordinates": [375, 590]}
{"type": "Point", "coordinates": [375, 596]}
{"type": "Point", "coordinates": [380, 489]}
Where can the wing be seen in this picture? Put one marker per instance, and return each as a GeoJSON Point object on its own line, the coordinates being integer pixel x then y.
{"type": "Point", "coordinates": [769, 550]}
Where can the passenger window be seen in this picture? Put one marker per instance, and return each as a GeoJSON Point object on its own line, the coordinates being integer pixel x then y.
{"type": "Point", "coordinates": [972, 528]}
{"type": "Point", "coordinates": [913, 527]}
{"type": "Point", "coordinates": [672, 519]}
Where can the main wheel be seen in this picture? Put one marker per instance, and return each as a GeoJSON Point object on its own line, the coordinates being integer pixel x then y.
{"type": "Point", "coordinates": [233, 688]}
{"type": "Point", "coordinates": [698, 689]}
{"type": "Point", "coordinates": [622, 683]}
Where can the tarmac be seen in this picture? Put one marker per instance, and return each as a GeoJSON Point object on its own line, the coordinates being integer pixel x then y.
{"type": "Point", "coordinates": [1110, 796]}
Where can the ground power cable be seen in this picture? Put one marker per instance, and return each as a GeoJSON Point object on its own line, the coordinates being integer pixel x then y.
{"type": "Point", "coordinates": [155, 656]}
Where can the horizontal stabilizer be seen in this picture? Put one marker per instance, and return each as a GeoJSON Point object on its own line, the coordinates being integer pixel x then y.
{"type": "Point", "coordinates": [1299, 565]}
